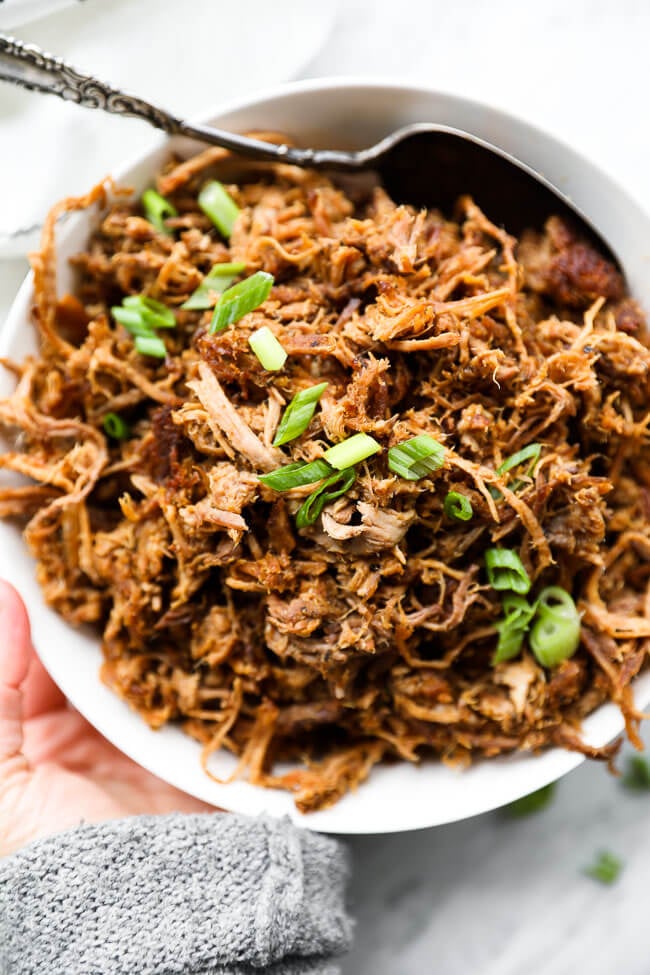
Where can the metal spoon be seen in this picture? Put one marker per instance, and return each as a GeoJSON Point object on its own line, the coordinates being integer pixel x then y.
{"type": "Point", "coordinates": [425, 164]}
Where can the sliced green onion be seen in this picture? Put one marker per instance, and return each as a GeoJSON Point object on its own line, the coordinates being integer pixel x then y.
{"type": "Point", "coordinates": [552, 642]}
{"type": "Point", "coordinates": [216, 203]}
{"type": "Point", "coordinates": [298, 414]}
{"type": "Point", "coordinates": [554, 601]}
{"type": "Point", "coordinates": [513, 627]}
{"type": "Point", "coordinates": [518, 611]}
{"type": "Point", "coordinates": [157, 209]}
{"type": "Point", "coordinates": [312, 507]}
{"type": "Point", "coordinates": [267, 349]}
{"type": "Point", "coordinates": [637, 774]}
{"type": "Point", "coordinates": [151, 345]}
{"type": "Point", "coordinates": [605, 868]}
{"type": "Point", "coordinates": [153, 313]}
{"type": "Point", "coordinates": [241, 298]}
{"type": "Point", "coordinates": [140, 315]}
{"type": "Point", "coordinates": [505, 570]}
{"type": "Point", "coordinates": [220, 277]}
{"type": "Point", "coordinates": [296, 475]}
{"type": "Point", "coordinates": [457, 506]}
{"type": "Point", "coordinates": [416, 458]}
{"type": "Point", "coordinates": [351, 451]}
{"type": "Point", "coordinates": [115, 427]}
{"type": "Point", "coordinates": [509, 643]}
{"type": "Point", "coordinates": [555, 633]}
{"type": "Point", "coordinates": [131, 320]}
{"type": "Point", "coordinates": [531, 452]}
{"type": "Point", "coordinates": [534, 802]}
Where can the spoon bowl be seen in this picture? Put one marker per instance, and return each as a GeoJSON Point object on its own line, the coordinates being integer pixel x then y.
{"type": "Point", "coordinates": [424, 164]}
{"type": "Point", "coordinates": [427, 165]}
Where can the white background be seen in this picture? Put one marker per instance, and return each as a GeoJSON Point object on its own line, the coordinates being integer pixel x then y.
{"type": "Point", "coordinates": [495, 896]}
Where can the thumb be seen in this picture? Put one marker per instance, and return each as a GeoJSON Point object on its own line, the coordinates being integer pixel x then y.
{"type": "Point", "coordinates": [15, 648]}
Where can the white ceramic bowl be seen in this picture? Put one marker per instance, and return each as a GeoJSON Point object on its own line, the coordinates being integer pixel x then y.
{"type": "Point", "coordinates": [396, 797]}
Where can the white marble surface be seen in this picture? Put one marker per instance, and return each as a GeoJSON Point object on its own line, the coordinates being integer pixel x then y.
{"type": "Point", "coordinates": [498, 896]}
{"type": "Point", "coordinates": [495, 896]}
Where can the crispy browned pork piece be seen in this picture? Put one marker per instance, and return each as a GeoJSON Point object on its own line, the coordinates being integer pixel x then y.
{"type": "Point", "coordinates": [369, 633]}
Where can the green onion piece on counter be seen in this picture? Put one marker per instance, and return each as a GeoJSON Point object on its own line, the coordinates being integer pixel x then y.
{"type": "Point", "coordinates": [219, 206]}
{"type": "Point", "coordinates": [153, 313]}
{"type": "Point", "coordinates": [531, 452]}
{"type": "Point", "coordinates": [351, 451]}
{"type": "Point", "coordinates": [555, 633]}
{"type": "Point", "coordinates": [458, 507]}
{"type": "Point", "coordinates": [267, 349]}
{"type": "Point", "coordinates": [241, 298]}
{"type": "Point", "coordinates": [151, 345]}
{"type": "Point", "coordinates": [605, 868]}
{"type": "Point", "coordinates": [505, 570]}
{"type": "Point", "coordinates": [532, 803]}
{"type": "Point", "coordinates": [312, 507]}
{"type": "Point", "coordinates": [637, 774]}
{"type": "Point", "coordinates": [157, 209]}
{"type": "Point", "coordinates": [220, 277]}
{"type": "Point", "coordinates": [416, 458]}
{"type": "Point", "coordinates": [513, 627]}
{"type": "Point", "coordinates": [115, 427]}
{"type": "Point", "coordinates": [296, 475]}
{"type": "Point", "coordinates": [298, 414]}
{"type": "Point", "coordinates": [131, 320]}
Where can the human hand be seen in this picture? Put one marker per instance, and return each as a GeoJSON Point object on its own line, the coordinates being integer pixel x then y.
{"type": "Point", "coordinates": [56, 771]}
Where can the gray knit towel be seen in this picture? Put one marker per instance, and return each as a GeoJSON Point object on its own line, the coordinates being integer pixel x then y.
{"type": "Point", "coordinates": [211, 894]}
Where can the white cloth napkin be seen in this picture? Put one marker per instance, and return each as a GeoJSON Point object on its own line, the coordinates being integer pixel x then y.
{"type": "Point", "coordinates": [187, 57]}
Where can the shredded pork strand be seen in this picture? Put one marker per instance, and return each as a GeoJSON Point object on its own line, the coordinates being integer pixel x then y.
{"type": "Point", "coordinates": [369, 634]}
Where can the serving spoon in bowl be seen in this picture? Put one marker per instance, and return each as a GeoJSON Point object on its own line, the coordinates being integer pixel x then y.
{"type": "Point", "coordinates": [424, 164]}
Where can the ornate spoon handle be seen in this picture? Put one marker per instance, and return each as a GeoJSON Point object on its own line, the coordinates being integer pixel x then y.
{"type": "Point", "coordinates": [30, 67]}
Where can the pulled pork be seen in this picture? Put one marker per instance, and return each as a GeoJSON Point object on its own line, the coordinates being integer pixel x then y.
{"type": "Point", "coordinates": [369, 634]}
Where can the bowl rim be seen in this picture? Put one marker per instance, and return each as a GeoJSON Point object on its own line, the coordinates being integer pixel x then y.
{"type": "Point", "coordinates": [607, 720]}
